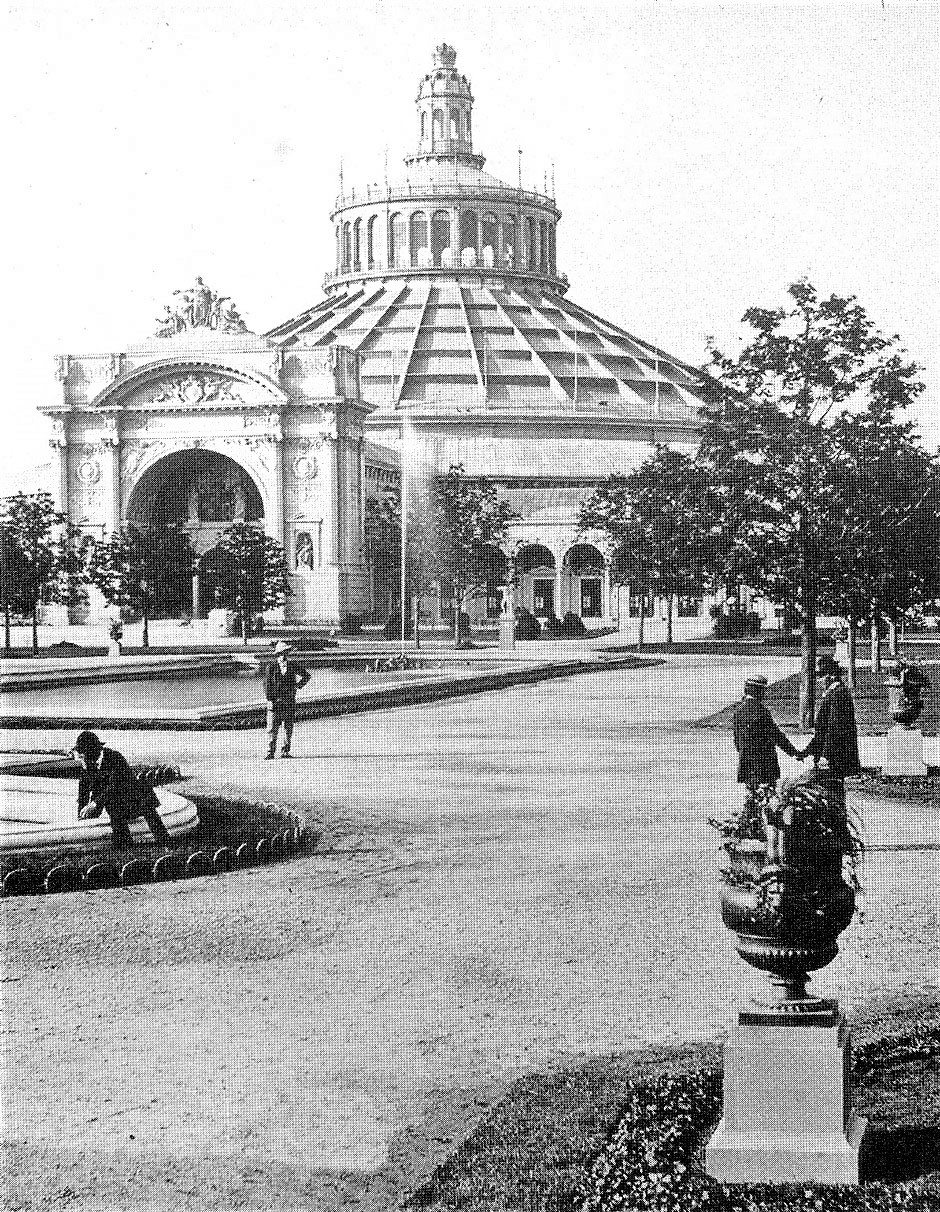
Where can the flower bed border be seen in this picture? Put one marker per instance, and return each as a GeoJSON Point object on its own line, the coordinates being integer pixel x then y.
{"type": "Point", "coordinates": [293, 835]}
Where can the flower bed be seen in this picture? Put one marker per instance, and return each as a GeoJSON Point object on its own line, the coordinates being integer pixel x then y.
{"type": "Point", "coordinates": [652, 1162]}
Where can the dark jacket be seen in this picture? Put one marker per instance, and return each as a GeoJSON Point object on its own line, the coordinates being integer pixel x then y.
{"type": "Point", "coordinates": [757, 739]}
{"type": "Point", "coordinates": [281, 688]}
{"type": "Point", "coordinates": [114, 787]}
{"type": "Point", "coordinates": [835, 738]}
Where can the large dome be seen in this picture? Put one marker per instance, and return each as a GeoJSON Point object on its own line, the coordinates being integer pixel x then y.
{"type": "Point", "coordinates": [446, 284]}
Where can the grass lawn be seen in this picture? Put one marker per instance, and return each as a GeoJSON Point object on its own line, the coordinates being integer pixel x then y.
{"type": "Point", "coordinates": [871, 705]}
{"type": "Point", "coordinates": [553, 1143]}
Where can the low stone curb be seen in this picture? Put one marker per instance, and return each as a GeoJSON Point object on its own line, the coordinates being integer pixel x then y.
{"type": "Point", "coordinates": [400, 694]}
{"type": "Point", "coordinates": [290, 836]}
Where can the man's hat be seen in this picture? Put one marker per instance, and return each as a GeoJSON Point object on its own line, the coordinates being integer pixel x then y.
{"type": "Point", "coordinates": [88, 743]}
{"type": "Point", "coordinates": [756, 682]}
{"type": "Point", "coordinates": [826, 667]}
{"type": "Point", "coordinates": [282, 646]}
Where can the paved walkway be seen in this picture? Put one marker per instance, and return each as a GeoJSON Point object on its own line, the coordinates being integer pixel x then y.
{"type": "Point", "coordinates": [517, 878]}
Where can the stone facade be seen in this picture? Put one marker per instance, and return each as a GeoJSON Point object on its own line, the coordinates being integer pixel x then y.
{"type": "Point", "coordinates": [205, 427]}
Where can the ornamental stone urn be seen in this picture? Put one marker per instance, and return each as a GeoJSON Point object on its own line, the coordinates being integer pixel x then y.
{"type": "Point", "coordinates": [788, 914]}
{"type": "Point", "coordinates": [904, 744]}
{"type": "Point", "coordinates": [787, 1108]}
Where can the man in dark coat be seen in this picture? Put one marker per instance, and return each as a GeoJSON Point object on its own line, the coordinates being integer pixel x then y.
{"type": "Point", "coordinates": [757, 738]}
{"type": "Point", "coordinates": [834, 747]}
{"type": "Point", "coordinates": [107, 784]}
{"type": "Point", "coordinates": [281, 683]}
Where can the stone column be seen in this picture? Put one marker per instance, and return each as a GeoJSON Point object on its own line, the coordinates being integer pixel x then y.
{"type": "Point", "coordinates": [276, 526]}
{"type": "Point", "coordinates": [197, 604]}
{"type": "Point", "coordinates": [61, 468]}
{"type": "Point", "coordinates": [111, 474]}
{"type": "Point", "coordinates": [559, 581]}
{"type": "Point", "coordinates": [606, 611]}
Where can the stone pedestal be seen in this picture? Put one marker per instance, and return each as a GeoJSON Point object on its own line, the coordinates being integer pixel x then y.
{"type": "Point", "coordinates": [507, 632]}
{"type": "Point", "coordinates": [904, 752]}
{"type": "Point", "coordinates": [221, 622]}
{"type": "Point", "coordinates": [787, 1103]}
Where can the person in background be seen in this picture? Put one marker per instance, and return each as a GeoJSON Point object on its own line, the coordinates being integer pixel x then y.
{"type": "Point", "coordinates": [107, 784]}
{"type": "Point", "coordinates": [281, 683]}
{"type": "Point", "coordinates": [834, 747]}
{"type": "Point", "coordinates": [757, 739]}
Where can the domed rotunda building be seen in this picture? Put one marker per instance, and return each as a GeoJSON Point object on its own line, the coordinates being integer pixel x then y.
{"type": "Point", "coordinates": [446, 318]}
{"type": "Point", "coordinates": [447, 286]}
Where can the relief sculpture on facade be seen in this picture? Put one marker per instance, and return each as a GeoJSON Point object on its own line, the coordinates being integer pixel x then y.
{"type": "Point", "coordinates": [195, 389]}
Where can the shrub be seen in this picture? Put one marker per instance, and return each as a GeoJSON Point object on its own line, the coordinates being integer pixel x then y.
{"type": "Point", "coordinates": [572, 626]}
{"type": "Point", "coordinates": [527, 625]}
{"type": "Point", "coordinates": [350, 624]}
{"type": "Point", "coordinates": [552, 626]}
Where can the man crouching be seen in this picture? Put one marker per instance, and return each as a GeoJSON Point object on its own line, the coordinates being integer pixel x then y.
{"type": "Point", "coordinates": [107, 784]}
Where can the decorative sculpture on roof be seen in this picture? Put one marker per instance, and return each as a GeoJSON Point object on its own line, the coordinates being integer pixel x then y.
{"type": "Point", "coordinates": [199, 307]}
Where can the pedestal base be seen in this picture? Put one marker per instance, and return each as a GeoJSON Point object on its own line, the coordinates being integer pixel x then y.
{"type": "Point", "coordinates": [507, 632]}
{"type": "Point", "coordinates": [904, 752]}
{"type": "Point", "coordinates": [787, 1106]}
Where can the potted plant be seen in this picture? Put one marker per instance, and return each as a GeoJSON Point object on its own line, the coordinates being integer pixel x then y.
{"type": "Point", "coordinates": [788, 885]}
{"type": "Point", "coordinates": [115, 635]}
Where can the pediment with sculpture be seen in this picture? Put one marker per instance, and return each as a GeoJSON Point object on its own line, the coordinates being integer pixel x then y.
{"type": "Point", "coordinates": [199, 307]}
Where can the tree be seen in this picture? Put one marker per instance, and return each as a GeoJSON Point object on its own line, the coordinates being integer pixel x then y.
{"type": "Point", "coordinates": [655, 526]}
{"type": "Point", "coordinates": [382, 526]}
{"type": "Point", "coordinates": [128, 567]}
{"type": "Point", "coordinates": [470, 531]}
{"type": "Point", "coordinates": [887, 501]}
{"type": "Point", "coordinates": [29, 523]}
{"type": "Point", "coordinates": [252, 571]}
{"type": "Point", "coordinates": [770, 444]}
{"type": "Point", "coordinates": [456, 536]}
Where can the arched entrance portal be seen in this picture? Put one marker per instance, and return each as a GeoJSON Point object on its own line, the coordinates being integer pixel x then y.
{"type": "Point", "coordinates": [535, 566]}
{"type": "Point", "coordinates": [188, 499]}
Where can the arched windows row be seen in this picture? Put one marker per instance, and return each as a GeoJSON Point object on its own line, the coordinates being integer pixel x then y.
{"type": "Point", "coordinates": [440, 238]}
{"type": "Point", "coordinates": [445, 126]}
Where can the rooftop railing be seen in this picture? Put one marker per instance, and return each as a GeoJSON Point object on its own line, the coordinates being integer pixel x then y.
{"type": "Point", "coordinates": [438, 189]}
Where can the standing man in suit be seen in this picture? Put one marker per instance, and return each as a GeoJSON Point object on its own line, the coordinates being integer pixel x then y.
{"type": "Point", "coordinates": [107, 784]}
{"type": "Point", "coordinates": [757, 739]}
{"type": "Point", "coordinates": [281, 683]}
{"type": "Point", "coordinates": [834, 747]}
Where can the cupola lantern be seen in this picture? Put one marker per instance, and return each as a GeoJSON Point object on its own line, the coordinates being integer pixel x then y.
{"type": "Point", "coordinates": [444, 106]}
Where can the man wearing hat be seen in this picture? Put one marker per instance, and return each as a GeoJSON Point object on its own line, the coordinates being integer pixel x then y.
{"type": "Point", "coordinates": [757, 738]}
{"type": "Point", "coordinates": [107, 784]}
{"type": "Point", "coordinates": [281, 683]}
{"type": "Point", "coordinates": [834, 747]}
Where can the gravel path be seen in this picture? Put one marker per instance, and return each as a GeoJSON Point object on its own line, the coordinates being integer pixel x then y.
{"type": "Point", "coordinates": [515, 879]}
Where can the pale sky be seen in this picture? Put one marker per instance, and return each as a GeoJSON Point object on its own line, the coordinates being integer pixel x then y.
{"type": "Point", "coordinates": [705, 157]}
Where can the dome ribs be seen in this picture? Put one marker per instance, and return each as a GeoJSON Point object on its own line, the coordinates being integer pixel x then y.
{"type": "Point", "coordinates": [397, 393]}
{"type": "Point", "coordinates": [471, 340]}
{"type": "Point", "coordinates": [557, 390]}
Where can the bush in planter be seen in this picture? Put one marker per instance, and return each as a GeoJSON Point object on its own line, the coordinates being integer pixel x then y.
{"type": "Point", "coordinates": [351, 624]}
{"type": "Point", "coordinates": [572, 626]}
{"type": "Point", "coordinates": [527, 625]}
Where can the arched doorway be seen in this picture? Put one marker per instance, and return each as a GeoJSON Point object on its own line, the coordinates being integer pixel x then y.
{"type": "Point", "coordinates": [584, 566]}
{"type": "Point", "coordinates": [535, 567]}
{"type": "Point", "coordinates": [189, 498]}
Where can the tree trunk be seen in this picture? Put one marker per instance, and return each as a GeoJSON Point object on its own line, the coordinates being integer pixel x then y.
{"type": "Point", "coordinates": [415, 614]}
{"type": "Point", "coordinates": [875, 646]}
{"type": "Point", "coordinates": [35, 626]}
{"type": "Point", "coordinates": [642, 619]}
{"type": "Point", "coordinates": [852, 645]}
{"type": "Point", "coordinates": [808, 653]}
{"type": "Point", "coordinates": [670, 599]}
{"type": "Point", "coordinates": [892, 637]}
{"type": "Point", "coordinates": [145, 639]}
